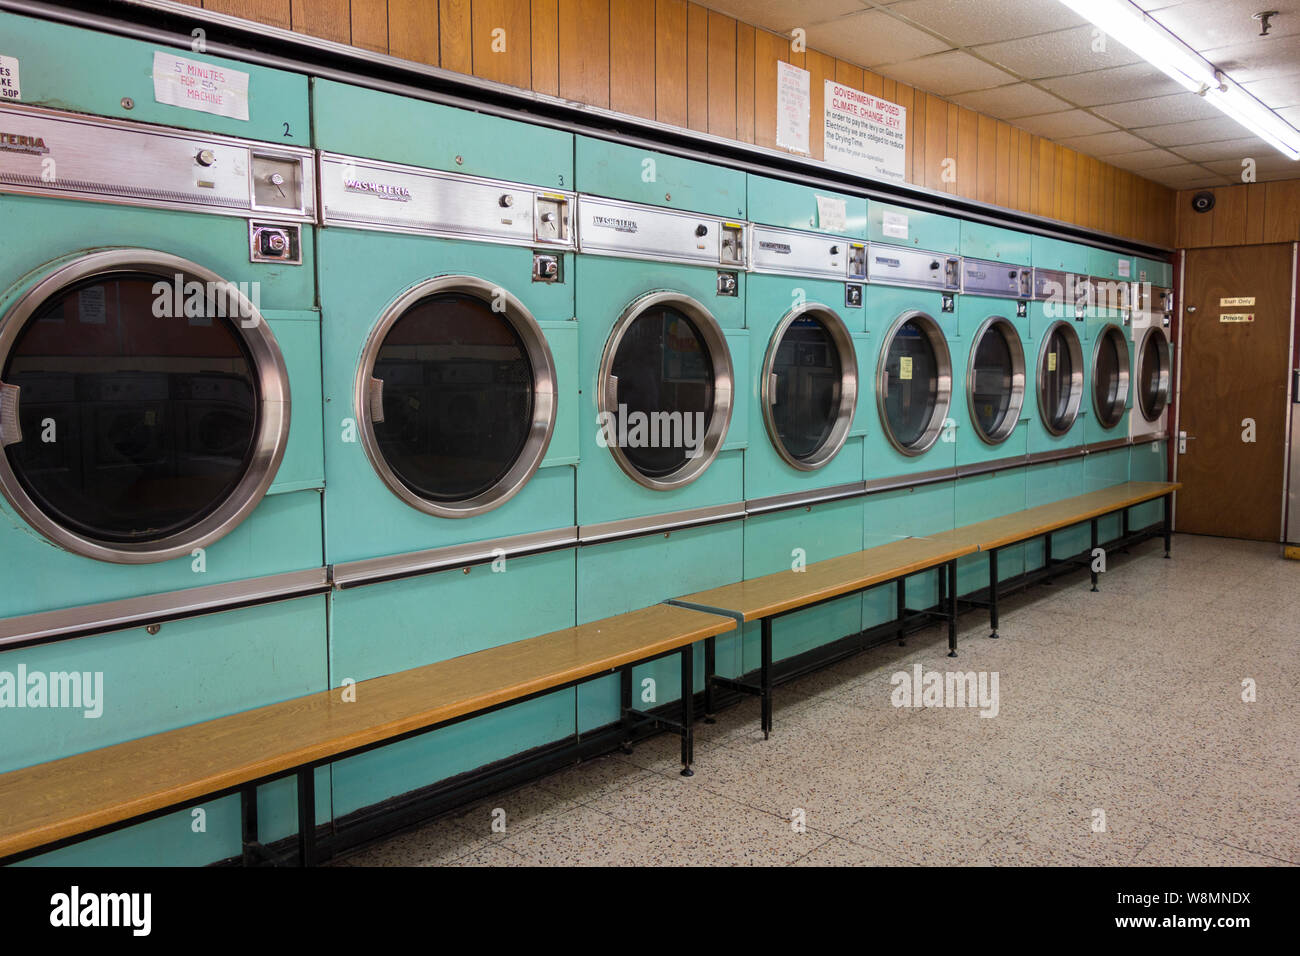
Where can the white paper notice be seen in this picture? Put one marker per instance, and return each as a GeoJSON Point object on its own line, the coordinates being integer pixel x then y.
{"type": "Point", "coordinates": [11, 90]}
{"type": "Point", "coordinates": [865, 133]}
{"type": "Point", "coordinates": [832, 214]}
{"type": "Point", "coordinates": [1125, 269]}
{"type": "Point", "coordinates": [793, 96]}
{"type": "Point", "coordinates": [895, 225]}
{"type": "Point", "coordinates": [193, 85]}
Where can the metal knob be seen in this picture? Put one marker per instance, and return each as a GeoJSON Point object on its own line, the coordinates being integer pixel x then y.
{"type": "Point", "coordinates": [507, 201]}
{"type": "Point", "coordinates": [701, 230]}
{"type": "Point", "coordinates": [206, 157]}
{"type": "Point", "coordinates": [276, 179]}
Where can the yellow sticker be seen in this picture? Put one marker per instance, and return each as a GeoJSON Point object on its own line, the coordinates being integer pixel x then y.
{"type": "Point", "coordinates": [905, 368]}
{"type": "Point", "coordinates": [1051, 361]}
{"type": "Point", "coordinates": [1237, 317]}
{"type": "Point", "coordinates": [1232, 302]}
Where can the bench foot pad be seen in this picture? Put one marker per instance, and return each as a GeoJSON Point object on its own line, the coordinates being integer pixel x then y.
{"type": "Point", "coordinates": [687, 772]}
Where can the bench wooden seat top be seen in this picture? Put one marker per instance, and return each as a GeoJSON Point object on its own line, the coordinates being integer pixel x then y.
{"type": "Point", "coordinates": [773, 594]}
{"type": "Point", "coordinates": [61, 799]}
{"type": "Point", "coordinates": [1035, 522]}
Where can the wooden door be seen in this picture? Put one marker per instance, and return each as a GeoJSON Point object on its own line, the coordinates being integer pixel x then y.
{"type": "Point", "coordinates": [1235, 361]}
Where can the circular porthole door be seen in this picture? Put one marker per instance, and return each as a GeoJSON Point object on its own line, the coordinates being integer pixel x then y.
{"type": "Point", "coordinates": [995, 380]}
{"type": "Point", "coordinates": [1154, 374]}
{"type": "Point", "coordinates": [144, 406]}
{"type": "Point", "coordinates": [809, 388]}
{"type": "Point", "coordinates": [914, 382]}
{"type": "Point", "coordinates": [456, 392]}
{"type": "Point", "coordinates": [1060, 378]}
{"type": "Point", "coordinates": [1110, 376]}
{"type": "Point", "coordinates": [665, 390]}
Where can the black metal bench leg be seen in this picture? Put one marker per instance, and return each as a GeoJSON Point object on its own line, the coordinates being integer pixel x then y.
{"type": "Point", "coordinates": [307, 817]}
{"type": "Point", "coordinates": [688, 710]}
{"type": "Point", "coordinates": [1092, 555]}
{"type": "Point", "coordinates": [248, 824]}
{"type": "Point", "coordinates": [625, 696]}
{"type": "Point", "coordinates": [710, 666]}
{"type": "Point", "coordinates": [765, 677]}
{"type": "Point", "coordinates": [952, 607]}
{"type": "Point", "coordinates": [1047, 557]}
{"type": "Point", "coordinates": [901, 595]}
{"type": "Point", "coordinates": [993, 592]}
{"type": "Point", "coordinates": [1169, 523]}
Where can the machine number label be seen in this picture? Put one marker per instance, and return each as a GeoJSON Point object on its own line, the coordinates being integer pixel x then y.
{"type": "Point", "coordinates": [10, 89]}
{"type": "Point", "coordinates": [1232, 302]}
{"type": "Point", "coordinates": [1237, 317]}
{"type": "Point", "coordinates": [193, 85]}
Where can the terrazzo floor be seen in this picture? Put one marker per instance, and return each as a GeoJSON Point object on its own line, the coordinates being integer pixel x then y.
{"type": "Point", "coordinates": [1128, 701]}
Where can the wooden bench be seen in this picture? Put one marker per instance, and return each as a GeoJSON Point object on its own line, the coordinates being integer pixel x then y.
{"type": "Point", "coordinates": [772, 596]}
{"type": "Point", "coordinates": [65, 801]}
{"type": "Point", "coordinates": [1043, 521]}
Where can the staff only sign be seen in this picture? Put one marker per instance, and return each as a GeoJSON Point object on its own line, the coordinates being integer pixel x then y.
{"type": "Point", "coordinates": [864, 133]}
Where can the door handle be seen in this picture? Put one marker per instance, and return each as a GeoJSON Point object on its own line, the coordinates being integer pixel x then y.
{"type": "Point", "coordinates": [11, 431]}
{"type": "Point", "coordinates": [1191, 308]}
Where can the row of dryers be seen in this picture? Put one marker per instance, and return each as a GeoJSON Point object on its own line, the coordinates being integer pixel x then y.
{"type": "Point", "coordinates": [431, 381]}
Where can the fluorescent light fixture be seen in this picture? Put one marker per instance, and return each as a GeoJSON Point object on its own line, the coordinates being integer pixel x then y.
{"type": "Point", "coordinates": [1124, 22]}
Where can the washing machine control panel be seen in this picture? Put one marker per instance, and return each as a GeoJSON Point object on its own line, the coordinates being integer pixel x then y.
{"type": "Point", "coordinates": [916, 268]}
{"type": "Point", "coordinates": [613, 227]}
{"type": "Point", "coordinates": [792, 252]}
{"type": "Point", "coordinates": [51, 153]}
{"type": "Point", "coordinates": [1001, 279]}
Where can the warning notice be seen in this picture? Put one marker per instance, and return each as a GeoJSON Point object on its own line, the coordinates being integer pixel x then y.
{"type": "Point", "coordinates": [200, 86]}
{"type": "Point", "coordinates": [864, 133]}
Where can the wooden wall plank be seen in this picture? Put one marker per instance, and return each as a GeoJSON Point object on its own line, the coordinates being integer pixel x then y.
{"type": "Point", "coordinates": [697, 68]}
{"type": "Point", "coordinates": [1066, 183]}
{"type": "Point", "coordinates": [327, 19]}
{"type": "Point", "coordinates": [919, 105]}
{"type": "Point", "coordinates": [722, 76]}
{"type": "Point", "coordinates": [276, 13]}
{"type": "Point", "coordinates": [1024, 171]}
{"type": "Point", "coordinates": [1282, 211]}
{"type": "Point", "coordinates": [904, 96]}
{"type": "Point", "coordinates": [769, 48]}
{"type": "Point", "coordinates": [632, 80]}
{"type": "Point", "coordinates": [584, 51]}
{"type": "Point", "coordinates": [1229, 226]}
{"type": "Point", "coordinates": [1255, 199]}
{"type": "Point", "coordinates": [968, 144]}
{"type": "Point", "coordinates": [947, 165]}
{"type": "Point", "coordinates": [502, 41]}
{"type": "Point", "coordinates": [745, 82]}
{"type": "Point", "coordinates": [413, 30]}
{"type": "Point", "coordinates": [455, 42]}
{"type": "Point", "coordinates": [370, 25]}
{"type": "Point", "coordinates": [670, 61]}
{"type": "Point", "coordinates": [848, 74]}
{"type": "Point", "coordinates": [821, 68]}
{"type": "Point", "coordinates": [873, 83]}
{"type": "Point", "coordinates": [986, 165]}
{"type": "Point", "coordinates": [1002, 170]}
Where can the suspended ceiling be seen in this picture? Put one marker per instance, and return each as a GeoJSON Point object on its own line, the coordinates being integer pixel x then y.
{"type": "Point", "coordinates": [1033, 63]}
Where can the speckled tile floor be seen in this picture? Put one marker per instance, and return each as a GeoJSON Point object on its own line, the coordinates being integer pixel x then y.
{"type": "Point", "coordinates": [1126, 703]}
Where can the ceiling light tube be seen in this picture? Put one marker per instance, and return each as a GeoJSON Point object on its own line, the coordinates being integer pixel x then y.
{"type": "Point", "coordinates": [1256, 117]}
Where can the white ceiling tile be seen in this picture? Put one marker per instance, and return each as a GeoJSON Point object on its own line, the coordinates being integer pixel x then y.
{"type": "Point", "coordinates": [1292, 115]}
{"type": "Point", "coordinates": [1200, 131]}
{"type": "Point", "coordinates": [1234, 149]}
{"type": "Point", "coordinates": [1144, 159]}
{"type": "Point", "coordinates": [1276, 175]}
{"type": "Point", "coordinates": [1207, 24]}
{"type": "Point", "coordinates": [1185, 176]}
{"type": "Point", "coordinates": [987, 21]}
{"type": "Point", "coordinates": [781, 16]}
{"type": "Point", "coordinates": [1135, 81]}
{"type": "Point", "coordinates": [1159, 111]}
{"type": "Point", "coordinates": [871, 38]}
{"type": "Point", "coordinates": [1057, 54]}
{"type": "Point", "coordinates": [1064, 124]}
{"type": "Point", "coordinates": [1011, 101]}
{"type": "Point", "coordinates": [1277, 92]}
{"type": "Point", "coordinates": [947, 73]}
{"type": "Point", "coordinates": [1261, 60]}
{"type": "Point", "coordinates": [1275, 163]}
{"type": "Point", "coordinates": [1101, 144]}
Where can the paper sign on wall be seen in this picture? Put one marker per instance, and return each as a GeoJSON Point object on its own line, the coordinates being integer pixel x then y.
{"type": "Point", "coordinates": [11, 90]}
{"type": "Point", "coordinates": [193, 85]}
{"type": "Point", "coordinates": [1125, 269]}
{"type": "Point", "coordinates": [864, 133]}
{"type": "Point", "coordinates": [793, 96]}
{"type": "Point", "coordinates": [832, 214]}
{"type": "Point", "coordinates": [894, 224]}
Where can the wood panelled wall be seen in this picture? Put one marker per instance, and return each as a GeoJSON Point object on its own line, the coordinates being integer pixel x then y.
{"type": "Point", "coordinates": [1243, 215]}
{"type": "Point", "coordinates": [680, 63]}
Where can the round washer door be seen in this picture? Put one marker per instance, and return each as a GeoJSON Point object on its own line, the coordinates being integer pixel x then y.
{"type": "Point", "coordinates": [995, 380]}
{"type": "Point", "coordinates": [456, 395]}
{"type": "Point", "coordinates": [1060, 378]}
{"type": "Point", "coordinates": [914, 382]}
{"type": "Point", "coordinates": [665, 390]}
{"type": "Point", "coordinates": [1154, 373]}
{"type": "Point", "coordinates": [1110, 376]}
{"type": "Point", "coordinates": [144, 406]}
{"type": "Point", "coordinates": [809, 388]}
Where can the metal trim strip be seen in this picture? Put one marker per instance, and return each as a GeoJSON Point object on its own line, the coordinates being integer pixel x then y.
{"type": "Point", "coordinates": [1100, 446]}
{"type": "Point", "coordinates": [45, 626]}
{"type": "Point", "coordinates": [796, 499]}
{"type": "Point", "coordinates": [650, 524]}
{"type": "Point", "coordinates": [910, 481]}
{"type": "Point", "coordinates": [1040, 457]}
{"type": "Point", "coordinates": [988, 467]}
{"type": "Point", "coordinates": [352, 574]}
